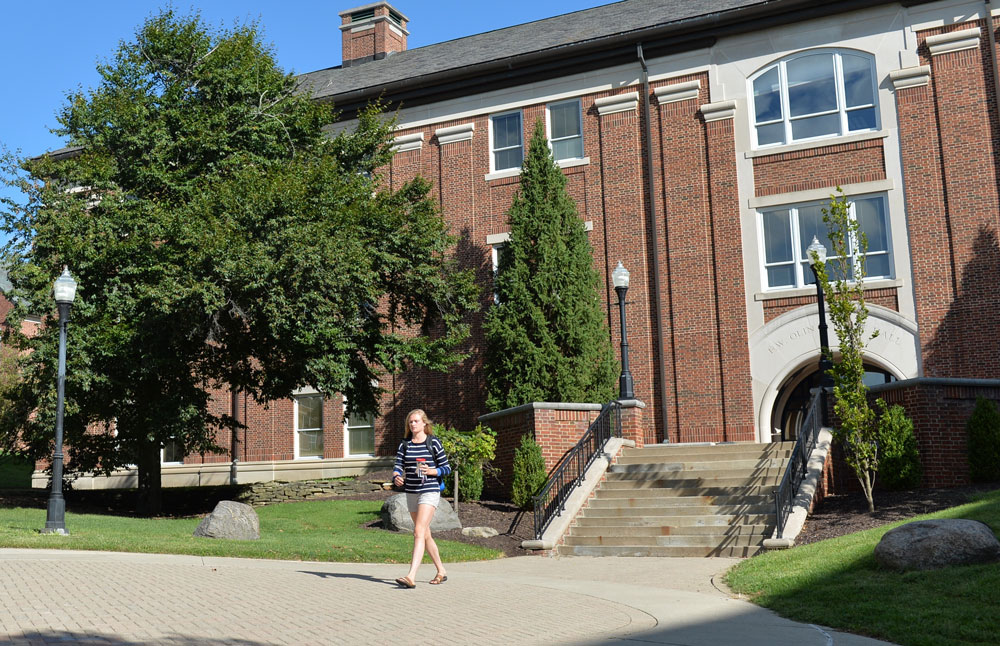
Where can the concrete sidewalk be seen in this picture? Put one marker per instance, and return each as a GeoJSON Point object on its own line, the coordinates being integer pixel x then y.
{"type": "Point", "coordinates": [53, 596]}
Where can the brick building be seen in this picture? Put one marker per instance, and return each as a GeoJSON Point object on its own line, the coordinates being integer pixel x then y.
{"type": "Point", "coordinates": [700, 140]}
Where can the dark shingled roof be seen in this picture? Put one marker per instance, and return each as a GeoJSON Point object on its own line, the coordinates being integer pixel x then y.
{"type": "Point", "coordinates": [550, 34]}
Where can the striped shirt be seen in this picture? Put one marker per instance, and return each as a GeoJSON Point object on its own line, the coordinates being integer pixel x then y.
{"type": "Point", "coordinates": [406, 463]}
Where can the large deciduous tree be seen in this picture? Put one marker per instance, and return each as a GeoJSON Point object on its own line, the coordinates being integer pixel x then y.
{"type": "Point", "coordinates": [546, 337]}
{"type": "Point", "coordinates": [221, 239]}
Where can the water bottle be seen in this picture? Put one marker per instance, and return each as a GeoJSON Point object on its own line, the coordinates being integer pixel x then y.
{"type": "Point", "coordinates": [421, 462]}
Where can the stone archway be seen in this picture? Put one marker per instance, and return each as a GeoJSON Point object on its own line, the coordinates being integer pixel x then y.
{"type": "Point", "coordinates": [785, 347]}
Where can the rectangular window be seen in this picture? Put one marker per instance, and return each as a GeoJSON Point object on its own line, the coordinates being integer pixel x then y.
{"type": "Point", "coordinates": [360, 432]}
{"type": "Point", "coordinates": [173, 452]}
{"type": "Point", "coordinates": [566, 130]}
{"type": "Point", "coordinates": [497, 252]}
{"type": "Point", "coordinates": [506, 142]}
{"type": "Point", "coordinates": [787, 232]}
{"type": "Point", "coordinates": [309, 426]}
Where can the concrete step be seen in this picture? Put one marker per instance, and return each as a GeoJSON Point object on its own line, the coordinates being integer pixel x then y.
{"type": "Point", "coordinates": [665, 541]}
{"type": "Point", "coordinates": [654, 488]}
{"type": "Point", "coordinates": [659, 550]}
{"type": "Point", "coordinates": [668, 506]}
{"type": "Point", "coordinates": [701, 483]}
{"type": "Point", "coordinates": [762, 531]}
{"type": "Point", "coordinates": [636, 497]}
{"type": "Point", "coordinates": [685, 451]}
{"type": "Point", "coordinates": [672, 520]}
{"type": "Point", "coordinates": [637, 463]}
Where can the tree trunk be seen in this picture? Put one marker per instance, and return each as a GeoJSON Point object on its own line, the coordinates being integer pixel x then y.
{"type": "Point", "coordinates": [150, 494]}
{"type": "Point", "coordinates": [867, 486]}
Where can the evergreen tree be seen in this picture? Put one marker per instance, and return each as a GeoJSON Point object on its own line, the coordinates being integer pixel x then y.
{"type": "Point", "coordinates": [220, 239]}
{"type": "Point", "coordinates": [546, 338]}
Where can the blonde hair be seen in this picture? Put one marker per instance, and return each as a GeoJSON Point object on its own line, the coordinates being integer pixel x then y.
{"type": "Point", "coordinates": [427, 422]}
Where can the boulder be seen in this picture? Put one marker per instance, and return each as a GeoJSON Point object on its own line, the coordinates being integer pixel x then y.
{"type": "Point", "coordinates": [931, 544]}
{"type": "Point", "coordinates": [396, 517]}
{"type": "Point", "coordinates": [480, 532]}
{"type": "Point", "coordinates": [230, 519]}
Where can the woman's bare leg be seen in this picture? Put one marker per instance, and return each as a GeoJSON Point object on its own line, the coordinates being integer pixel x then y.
{"type": "Point", "coordinates": [421, 531]}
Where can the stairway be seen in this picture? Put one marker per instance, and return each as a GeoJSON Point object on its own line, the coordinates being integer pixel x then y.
{"type": "Point", "coordinates": [682, 500]}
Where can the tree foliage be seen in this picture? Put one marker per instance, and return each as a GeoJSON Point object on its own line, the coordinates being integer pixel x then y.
{"type": "Point", "coordinates": [546, 338]}
{"type": "Point", "coordinates": [470, 454]}
{"type": "Point", "coordinates": [899, 463]}
{"type": "Point", "coordinates": [220, 237]}
{"type": "Point", "coordinates": [529, 473]}
{"type": "Point", "coordinates": [842, 281]}
{"type": "Point", "coordinates": [984, 441]}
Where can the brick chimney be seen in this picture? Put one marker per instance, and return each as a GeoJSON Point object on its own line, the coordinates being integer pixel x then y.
{"type": "Point", "coordinates": [371, 32]}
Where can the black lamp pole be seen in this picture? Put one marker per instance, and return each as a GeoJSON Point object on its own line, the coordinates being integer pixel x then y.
{"type": "Point", "coordinates": [626, 389]}
{"type": "Point", "coordinates": [825, 380]}
{"type": "Point", "coordinates": [55, 520]}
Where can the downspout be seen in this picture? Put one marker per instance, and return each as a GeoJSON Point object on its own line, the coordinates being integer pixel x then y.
{"type": "Point", "coordinates": [991, 39]}
{"type": "Point", "coordinates": [651, 199]}
{"type": "Point", "coordinates": [235, 438]}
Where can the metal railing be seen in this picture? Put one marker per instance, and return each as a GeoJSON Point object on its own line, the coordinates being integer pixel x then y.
{"type": "Point", "coordinates": [567, 476]}
{"type": "Point", "coordinates": [808, 437]}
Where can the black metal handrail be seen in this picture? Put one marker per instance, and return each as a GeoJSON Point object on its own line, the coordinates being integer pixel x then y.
{"type": "Point", "coordinates": [551, 500]}
{"type": "Point", "coordinates": [808, 437]}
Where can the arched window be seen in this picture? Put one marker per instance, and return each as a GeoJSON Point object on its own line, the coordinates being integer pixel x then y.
{"type": "Point", "coordinates": [812, 95]}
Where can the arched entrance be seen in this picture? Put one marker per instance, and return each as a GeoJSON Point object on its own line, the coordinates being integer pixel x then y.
{"type": "Point", "coordinates": [792, 402]}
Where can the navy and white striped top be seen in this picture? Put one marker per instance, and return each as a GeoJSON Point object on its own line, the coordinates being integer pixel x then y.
{"type": "Point", "coordinates": [406, 463]}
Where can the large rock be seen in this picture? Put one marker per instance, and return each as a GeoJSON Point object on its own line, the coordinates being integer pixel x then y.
{"type": "Point", "coordinates": [395, 516]}
{"type": "Point", "coordinates": [931, 544]}
{"type": "Point", "coordinates": [232, 520]}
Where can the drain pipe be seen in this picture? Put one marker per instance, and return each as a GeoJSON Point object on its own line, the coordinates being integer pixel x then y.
{"type": "Point", "coordinates": [991, 39]}
{"type": "Point", "coordinates": [651, 199]}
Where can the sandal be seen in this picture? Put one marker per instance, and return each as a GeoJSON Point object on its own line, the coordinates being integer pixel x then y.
{"type": "Point", "coordinates": [439, 579]}
{"type": "Point", "coordinates": [405, 582]}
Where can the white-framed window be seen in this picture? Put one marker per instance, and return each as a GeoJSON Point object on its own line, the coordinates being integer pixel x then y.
{"type": "Point", "coordinates": [309, 425]}
{"type": "Point", "coordinates": [506, 141]}
{"type": "Point", "coordinates": [565, 129]}
{"type": "Point", "coordinates": [497, 250]}
{"type": "Point", "coordinates": [173, 452]}
{"type": "Point", "coordinates": [786, 232]}
{"type": "Point", "coordinates": [813, 95]}
{"type": "Point", "coordinates": [359, 433]}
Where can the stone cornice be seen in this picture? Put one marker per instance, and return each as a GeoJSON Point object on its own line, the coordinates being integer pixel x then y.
{"type": "Point", "coordinates": [718, 111]}
{"type": "Point", "coordinates": [618, 103]}
{"type": "Point", "coordinates": [403, 143]}
{"type": "Point", "coordinates": [953, 41]}
{"type": "Point", "coordinates": [910, 77]}
{"type": "Point", "coordinates": [677, 92]}
{"type": "Point", "coordinates": [453, 134]}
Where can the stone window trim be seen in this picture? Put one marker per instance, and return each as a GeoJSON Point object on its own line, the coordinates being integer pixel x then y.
{"type": "Point", "coordinates": [718, 111]}
{"type": "Point", "coordinates": [954, 41]}
{"type": "Point", "coordinates": [797, 292]}
{"type": "Point", "coordinates": [516, 172]}
{"type": "Point", "coordinates": [816, 143]}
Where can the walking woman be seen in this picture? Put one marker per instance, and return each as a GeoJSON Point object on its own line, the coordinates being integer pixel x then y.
{"type": "Point", "coordinates": [420, 463]}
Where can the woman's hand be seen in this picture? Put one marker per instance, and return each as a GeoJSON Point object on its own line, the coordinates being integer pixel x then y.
{"type": "Point", "coordinates": [397, 479]}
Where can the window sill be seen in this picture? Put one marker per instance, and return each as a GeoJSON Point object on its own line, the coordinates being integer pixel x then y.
{"type": "Point", "coordinates": [798, 292]}
{"type": "Point", "coordinates": [502, 174]}
{"type": "Point", "coordinates": [816, 143]}
{"type": "Point", "coordinates": [570, 163]}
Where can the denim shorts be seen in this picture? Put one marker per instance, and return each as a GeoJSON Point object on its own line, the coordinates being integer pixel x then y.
{"type": "Point", "coordinates": [413, 500]}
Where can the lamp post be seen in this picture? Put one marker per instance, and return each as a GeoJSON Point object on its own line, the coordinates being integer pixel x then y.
{"type": "Point", "coordinates": [64, 290]}
{"type": "Point", "coordinates": [817, 255]}
{"type": "Point", "coordinates": [620, 279]}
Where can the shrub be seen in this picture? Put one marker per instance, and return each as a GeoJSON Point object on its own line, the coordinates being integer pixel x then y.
{"type": "Point", "coordinates": [984, 441]}
{"type": "Point", "coordinates": [529, 472]}
{"type": "Point", "coordinates": [899, 465]}
{"type": "Point", "coordinates": [469, 453]}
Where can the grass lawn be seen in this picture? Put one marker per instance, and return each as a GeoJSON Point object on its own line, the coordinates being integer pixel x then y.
{"type": "Point", "coordinates": [837, 583]}
{"type": "Point", "coordinates": [320, 530]}
{"type": "Point", "coordinates": [15, 473]}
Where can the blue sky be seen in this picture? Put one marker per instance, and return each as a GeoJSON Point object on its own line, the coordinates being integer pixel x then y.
{"type": "Point", "coordinates": [51, 47]}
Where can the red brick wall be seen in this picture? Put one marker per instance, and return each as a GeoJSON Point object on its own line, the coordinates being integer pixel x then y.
{"type": "Point", "coordinates": [824, 167]}
{"type": "Point", "coordinates": [775, 307]}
